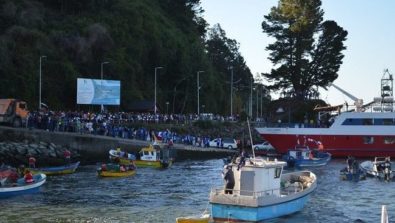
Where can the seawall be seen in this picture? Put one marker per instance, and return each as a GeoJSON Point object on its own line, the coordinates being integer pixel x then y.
{"type": "Point", "coordinates": [89, 149]}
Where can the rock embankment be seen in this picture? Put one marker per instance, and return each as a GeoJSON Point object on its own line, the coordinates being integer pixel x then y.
{"type": "Point", "coordinates": [17, 153]}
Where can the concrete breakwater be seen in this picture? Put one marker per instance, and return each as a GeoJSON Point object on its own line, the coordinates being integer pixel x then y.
{"type": "Point", "coordinates": [17, 144]}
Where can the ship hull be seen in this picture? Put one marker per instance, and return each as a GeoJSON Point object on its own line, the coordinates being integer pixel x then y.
{"type": "Point", "coordinates": [339, 145]}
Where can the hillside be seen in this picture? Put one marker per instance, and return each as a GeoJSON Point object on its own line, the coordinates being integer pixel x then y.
{"type": "Point", "coordinates": [134, 37]}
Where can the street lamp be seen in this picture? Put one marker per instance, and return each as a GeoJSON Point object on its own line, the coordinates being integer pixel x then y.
{"type": "Point", "coordinates": [198, 90]}
{"type": "Point", "coordinates": [101, 82]}
{"type": "Point", "coordinates": [156, 68]}
{"type": "Point", "coordinates": [203, 106]}
{"type": "Point", "coordinates": [39, 85]}
{"type": "Point", "coordinates": [231, 92]}
{"type": "Point", "coordinates": [250, 107]}
{"type": "Point", "coordinates": [167, 107]}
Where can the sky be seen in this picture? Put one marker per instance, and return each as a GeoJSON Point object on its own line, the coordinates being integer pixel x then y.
{"type": "Point", "coordinates": [370, 42]}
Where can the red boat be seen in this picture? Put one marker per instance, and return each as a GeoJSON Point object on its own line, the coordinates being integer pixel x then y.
{"type": "Point", "coordinates": [359, 134]}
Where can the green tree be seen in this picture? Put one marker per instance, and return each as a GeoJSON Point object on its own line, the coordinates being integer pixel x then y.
{"type": "Point", "coordinates": [225, 57]}
{"type": "Point", "coordinates": [307, 52]}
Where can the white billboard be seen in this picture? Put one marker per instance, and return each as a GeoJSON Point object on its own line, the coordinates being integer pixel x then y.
{"type": "Point", "coordinates": [98, 92]}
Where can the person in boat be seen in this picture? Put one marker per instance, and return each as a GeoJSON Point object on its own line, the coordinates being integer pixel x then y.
{"type": "Point", "coordinates": [32, 162]}
{"type": "Point", "coordinates": [21, 170]}
{"type": "Point", "coordinates": [229, 179]}
{"type": "Point", "coordinates": [243, 157]}
{"type": "Point", "coordinates": [387, 169]}
{"type": "Point", "coordinates": [67, 156]}
{"type": "Point", "coordinates": [311, 155]}
{"type": "Point", "coordinates": [350, 161]}
{"type": "Point", "coordinates": [355, 167]}
{"type": "Point", "coordinates": [28, 177]}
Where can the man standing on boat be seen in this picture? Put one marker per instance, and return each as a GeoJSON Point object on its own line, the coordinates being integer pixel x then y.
{"type": "Point", "coordinates": [230, 180]}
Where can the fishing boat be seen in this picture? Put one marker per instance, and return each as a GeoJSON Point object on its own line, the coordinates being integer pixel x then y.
{"type": "Point", "coordinates": [20, 187]}
{"type": "Point", "coordinates": [115, 170]}
{"type": "Point", "coordinates": [303, 156]}
{"type": "Point", "coordinates": [380, 168]}
{"type": "Point", "coordinates": [261, 191]}
{"type": "Point", "coordinates": [353, 175]}
{"type": "Point", "coordinates": [353, 171]}
{"type": "Point", "coordinates": [153, 157]}
{"type": "Point", "coordinates": [203, 218]}
{"type": "Point", "coordinates": [368, 130]}
{"type": "Point", "coordinates": [57, 170]}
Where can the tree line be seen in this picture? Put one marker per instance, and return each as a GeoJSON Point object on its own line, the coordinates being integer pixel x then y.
{"type": "Point", "coordinates": [134, 37]}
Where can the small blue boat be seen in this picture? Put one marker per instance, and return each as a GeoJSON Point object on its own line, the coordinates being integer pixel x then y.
{"type": "Point", "coordinates": [260, 191]}
{"type": "Point", "coordinates": [56, 170]}
{"type": "Point", "coordinates": [20, 187]}
{"type": "Point", "coordinates": [303, 156]}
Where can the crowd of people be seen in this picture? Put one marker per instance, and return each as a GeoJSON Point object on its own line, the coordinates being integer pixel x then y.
{"type": "Point", "coordinates": [119, 125]}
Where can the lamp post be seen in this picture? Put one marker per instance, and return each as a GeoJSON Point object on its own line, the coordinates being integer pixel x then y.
{"type": "Point", "coordinates": [231, 92]}
{"type": "Point", "coordinates": [39, 85]}
{"type": "Point", "coordinates": [101, 82]}
{"type": "Point", "coordinates": [156, 68]}
{"type": "Point", "coordinates": [198, 90]}
{"type": "Point", "coordinates": [203, 106]}
{"type": "Point", "coordinates": [257, 102]}
{"type": "Point", "coordinates": [250, 107]}
{"type": "Point", "coordinates": [167, 107]}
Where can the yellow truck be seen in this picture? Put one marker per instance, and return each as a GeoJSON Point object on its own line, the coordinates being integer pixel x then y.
{"type": "Point", "coordinates": [13, 112]}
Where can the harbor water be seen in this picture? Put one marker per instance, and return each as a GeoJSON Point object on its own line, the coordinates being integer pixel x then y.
{"type": "Point", "coordinates": [154, 195]}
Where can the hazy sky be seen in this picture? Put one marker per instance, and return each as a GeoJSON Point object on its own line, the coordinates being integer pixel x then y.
{"type": "Point", "coordinates": [370, 42]}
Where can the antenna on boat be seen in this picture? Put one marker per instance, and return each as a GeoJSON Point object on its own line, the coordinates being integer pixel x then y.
{"type": "Point", "coordinates": [252, 144]}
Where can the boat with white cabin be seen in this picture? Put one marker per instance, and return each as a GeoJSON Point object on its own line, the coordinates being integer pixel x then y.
{"type": "Point", "coordinates": [261, 191]}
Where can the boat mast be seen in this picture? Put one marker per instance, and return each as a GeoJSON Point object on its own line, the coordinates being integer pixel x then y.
{"type": "Point", "coordinates": [249, 131]}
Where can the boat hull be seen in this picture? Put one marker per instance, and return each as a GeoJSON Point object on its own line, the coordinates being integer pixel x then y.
{"type": "Point", "coordinates": [233, 213]}
{"type": "Point", "coordinates": [60, 170]}
{"type": "Point", "coordinates": [263, 206]}
{"type": "Point", "coordinates": [337, 145]}
{"type": "Point", "coordinates": [155, 164]}
{"type": "Point", "coordinates": [116, 173]}
{"type": "Point", "coordinates": [315, 162]}
{"type": "Point", "coordinates": [194, 219]}
{"type": "Point", "coordinates": [22, 188]}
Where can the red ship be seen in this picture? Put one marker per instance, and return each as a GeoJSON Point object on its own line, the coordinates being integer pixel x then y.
{"type": "Point", "coordinates": [369, 131]}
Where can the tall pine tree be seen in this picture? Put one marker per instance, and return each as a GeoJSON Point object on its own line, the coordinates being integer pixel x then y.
{"type": "Point", "coordinates": [307, 52]}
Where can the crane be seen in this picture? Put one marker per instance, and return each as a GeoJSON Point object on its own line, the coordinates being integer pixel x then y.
{"type": "Point", "coordinates": [357, 102]}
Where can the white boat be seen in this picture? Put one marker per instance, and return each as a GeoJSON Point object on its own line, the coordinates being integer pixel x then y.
{"type": "Point", "coordinates": [380, 168]}
{"type": "Point", "coordinates": [21, 188]}
{"type": "Point", "coordinates": [261, 191]}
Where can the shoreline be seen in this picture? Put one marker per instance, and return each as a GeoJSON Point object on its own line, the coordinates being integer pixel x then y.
{"type": "Point", "coordinates": [18, 144]}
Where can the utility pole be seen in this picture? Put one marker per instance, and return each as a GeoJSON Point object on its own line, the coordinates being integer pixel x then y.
{"type": "Point", "coordinates": [198, 91]}
{"type": "Point", "coordinates": [39, 86]}
{"type": "Point", "coordinates": [231, 92]}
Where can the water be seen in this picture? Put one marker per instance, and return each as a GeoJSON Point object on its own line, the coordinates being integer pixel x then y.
{"type": "Point", "coordinates": [154, 195]}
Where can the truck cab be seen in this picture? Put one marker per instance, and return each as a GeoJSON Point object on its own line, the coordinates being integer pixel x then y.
{"type": "Point", "coordinates": [13, 112]}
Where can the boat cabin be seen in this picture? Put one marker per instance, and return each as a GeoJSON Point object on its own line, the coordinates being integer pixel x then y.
{"type": "Point", "coordinates": [149, 153]}
{"type": "Point", "coordinates": [258, 179]}
{"type": "Point", "coordinates": [301, 153]}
